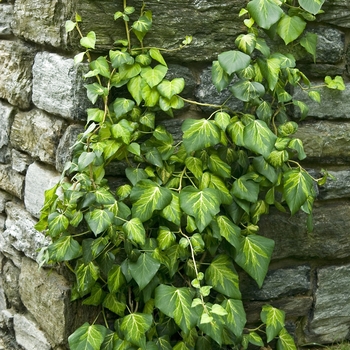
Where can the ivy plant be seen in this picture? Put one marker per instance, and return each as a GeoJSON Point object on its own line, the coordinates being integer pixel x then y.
{"type": "Point", "coordinates": [158, 255]}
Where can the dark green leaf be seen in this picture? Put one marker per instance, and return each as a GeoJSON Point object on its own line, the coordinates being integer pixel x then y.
{"type": "Point", "coordinates": [64, 249]}
{"type": "Point", "coordinates": [135, 231]}
{"type": "Point", "coordinates": [87, 337]}
{"type": "Point", "coordinates": [246, 90]}
{"type": "Point", "coordinates": [220, 78]}
{"type": "Point", "coordinates": [98, 220]}
{"type": "Point", "coordinates": [233, 61]}
{"type": "Point", "coordinates": [264, 12]}
{"type": "Point", "coordinates": [87, 276]}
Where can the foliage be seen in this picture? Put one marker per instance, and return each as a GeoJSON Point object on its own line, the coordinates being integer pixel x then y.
{"type": "Point", "coordinates": [159, 254]}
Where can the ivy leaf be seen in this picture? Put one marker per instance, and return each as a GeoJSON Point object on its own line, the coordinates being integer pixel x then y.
{"type": "Point", "coordinates": [199, 134]}
{"type": "Point", "coordinates": [64, 249]}
{"type": "Point", "coordinates": [259, 138]}
{"type": "Point", "coordinates": [122, 106]}
{"type": "Point", "coordinates": [213, 326]}
{"type": "Point", "coordinates": [144, 269]}
{"type": "Point", "coordinates": [246, 90]}
{"type": "Point", "coordinates": [203, 205]}
{"type": "Point", "coordinates": [233, 61]}
{"type": "Point", "coordinates": [219, 167]}
{"type": "Point", "coordinates": [165, 238]}
{"type": "Point", "coordinates": [89, 40]}
{"type": "Point", "coordinates": [87, 337]}
{"type": "Point", "coordinates": [245, 189]}
{"type": "Point", "coordinates": [264, 168]}
{"type": "Point", "coordinates": [222, 275]}
{"type": "Point", "coordinates": [57, 223]}
{"type": "Point", "coordinates": [134, 327]}
{"type": "Point", "coordinates": [176, 303]}
{"type": "Point", "coordinates": [170, 88]}
{"type": "Point", "coordinates": [246, 42]}
{"type": "Point", "coordinates": [236, 316]}
{"type": "Point", "coordinates": [147, 197]}
{"type": "Point", "coordinates": [114, 304]}
{"type": "Point", "coordinates": [135, 175]}
{"type": "Point", "coordinates": [312, 6]}
{"type": "Point", "coordinates": [274, 320]}
{"type": "Point", "coordinates": [229, 231]}
{"type": "Point", "coordinates": [172, 212]}
{"type": "Point", "coordinates": [285, 341]}
{"type": "Point", "coordinates": [297, 187]}
{"type": "Point", "coordinates": [134, 87]}
{"type": "Point", "coordinates": [153, 76]}
{"type": "Point", "coordinates": [195, 166]}
{"type": "Point", "coordinates": [128, 71]}
{"type": "Point", "coordinates": [220, 78]}
{"type": "Point", "coordinates": [270, 68]}
{"type": "Point", "coordinates": [103, 196]}
{"type": "Point", "coordinates": [98, 220]}
{"type": "Point", "coordinates": [255, 255]}
{"type": "Point", "coordinates": [156, 55]}
{"type": "Point", "coordinates": [309, 43]}
{"type": "Point", "coordinates": [150, 95]}
{"type": "Point", "coordinates": [118, 58]}
{"type": "Point", "coordinates": [264, 12]}
{"type": "Point", "coordinates": [116, 279]}
{"type": "Point", "coordinates": [337, 83]}
{"type": "Point", "coordinates": [135, 231]}
{"type": "Point", "coordinates": [297, 145]}
{"type": "Point", "coordinates": [141, 27]}
{"type": "Point", "coordinates": [94, 91]}
{"type": "Point", "coordinates": [290, 28]}
{"type": "Point", "coordinates": [87, 275]}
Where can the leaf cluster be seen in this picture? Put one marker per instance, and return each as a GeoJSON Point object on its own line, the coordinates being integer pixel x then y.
{"type": "Point", "coordinates": [162, 253]}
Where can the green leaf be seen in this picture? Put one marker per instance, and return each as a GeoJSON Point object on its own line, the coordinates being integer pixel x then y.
{"type": "Point", "coordinates": [134, 327]}
{"type": "Point", "coordinates": [246, 189]}
{"type": "Point", "coordinates": [154, 157]}
{"type": "Point", "coordinates": [89, 40]}
{"type": "Point", "coordinates": [203, 205]}
{"type": "Point", "coordinates": [156, 55]}
{"type": "Point", "coordinates": [259, 138]}
{"type": "Point", "coordinates": [98, 220]}
{"type": "Point", "coordinates": [199, 134]}
{"type": "Point", "coordinates": [134, 175]}
{"type": "Point", "coordinates": [290, 28]}
{"type": "Point", "coordinates": [236, 316]}
{"type": "Point", "coordinates": [285, 341]}
{"type": "Point", "coordinates": [103, 196]}
{"type": "Point", "coordinates": [176, 303]}
{"type": "Point", "coordinates": [114, 304]}
{"type": "Point", "coordinates": [122, 106]}
{"type": "Point", "coordinates": [246, 42]}
{"type": "Point", "coordinates": [95, 114]}
{"type": "Point", "coordinates": [337, 83]}
{"type": "Point", "coordinates": [144, 269]}
{"type": "Point", "coordinates": [172, 212]}
{"type": "Point", "coordinates": [255, 339]}
{"type": "Point", "coordinates": [119, 58]}
{"type": "Point", "coordinates": [141, 27]}
{"type": "Point", "coordinates": [87, 337]}
{"type": "Point", "coordinates": [87, 275]}
{"type": "Point", "coordinates": [195, 166]}
{"type": "Point", "coordinates": [69, 26]}
{"type": "Point", "coordinates": [128, 71]}
{"type": "Point", "coordinates": [312, 6]}
{"type": "Point", "coordinates": [297, 187]}
{"type": "Point", "coordinates": [229, 231]}
{"type": "Point", "coordinates": [274, 320]}
{"type": "Point", "coordinates": [220, 78]}
{"type": "Point", "coordinates": [309, 43]}
{"type": "Point", "coordinates": [147, 197]}
{"type": "Point", "coordinates": [264, 168]}
{"type": "Point", "coordinates": [135, 231]}
{"type": "Point", "coordinates": [255, 255]}
{"type": "Point", "coordinates": [219, 167]}
{"type": "Point", "coordinates": [97, 296]}
{"type": "Point", "coordinates": [102, 66]}
{"type": "Point", "coordinates": [175, 102]}
{"type": "Point", "coordinates": [315, 96]}
{"type": "Point", "coordinates": [116, 279]}
{"type": "Point", "coordinates": [170, 88]}
{"type": "Point", "coordinates": [153, 76]}
{"type": "Point", "coordinates": [222, 119]}
{"type": "Point", "coordinates": [57, 223]}
{"type": "Point", "coordinates": [94, 91]}
{"type": "Point", "coordinates": [222, 276]}
{"type": "Point", "coordinates": [213, 326]}
{"type": "Point", "coordinates": [165, 238]}
{"type": "Point", "coordinates": [233, 61]}
{"type": "Point", "coordinates": [297, 145]}
{"type": "Point", "coordinates": [150, 95]}
{"type": "Point", "coordinates": [134, 87]}
{"type": "Point", "coordinates": [246, 90]}
{"type": "Point", "coordinates": [264, 12]}
{"type": "Point", "coordinates": [64, 249]}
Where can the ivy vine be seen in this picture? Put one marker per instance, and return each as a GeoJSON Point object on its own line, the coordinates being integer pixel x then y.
{"type": "Point", "coordinates": [159, 255]}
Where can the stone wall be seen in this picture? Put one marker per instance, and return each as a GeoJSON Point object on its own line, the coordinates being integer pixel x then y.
{"type": "Point", "coordinates": [42, 104]}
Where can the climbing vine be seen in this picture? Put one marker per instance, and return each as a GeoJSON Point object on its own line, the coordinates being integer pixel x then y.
{"type": "Point", "coordinates": [158, 256]}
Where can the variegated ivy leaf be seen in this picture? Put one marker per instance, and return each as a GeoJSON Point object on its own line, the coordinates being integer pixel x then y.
{"type": "Point", "coordinates": [285, 341]}
{"type": "Point", "coordinates": [230, 231]}
{"type": "Point", "coordinates": [87, 275]}
{"type": "Point", "coordinates": [57, 223]}
{"type": "Point", "coordinates": [122, 106]}
{"type": "Point", "coordinates": [135, 231]}
{"type": "Point", "coordinates": [246, 42]}
{"type": "Point", "coordinates": [220, 78]}
{"type": "Point", "coordinates": [233, 61]}
{"type": "Point", "coordinates": [64, 249]}
{"type": "Point", "coordinates": [195, 166]}
{"type": "Point", "coordinates": [102, 66]}
{"type": "Point", "coordinates": [134, 87]}
{"type": "Point", "coordinates": [128, 71]}
{"type": "Point", "coordinates": [213, 326]}
{"type": "Point", "coordinates": [246, 90]}
{"type": "Point", "coordinates": [309, 43]}
{"type": "Point", "coordinates": [255, 255]}
{"type": "Point", "coordinates": [245, 189]}
{"type": "Point", "coordinates": [147, 197]}
{"type": "Point", "coordinates": [153, 76]}
{"type": "Point", "coordinates": [236, 317]}
{"type": "Point", "coordinates": [116, 279]}
{"type": "Point", "coordinates": [172, 212]}
{"type": "Point", "coordinates": [222, 119]}
{"type": "Point", "coordinates": [165, 238]}
{"type": "Point", "coordinates": [264, 12]}
{"type": "Point", "coordinates": [203, 205]}
{"type": "Point", "coordinates": [87, 337]}
{"type": "Point", "coordinates": [170, 88]}
{"type": "Point", "coordinates": [199, 134]}
{"type": "Point", "coordinates": [312, 6]}
{"type": "Point", "coordinates": [290, 28]}
{"type": "Point", "coordinates": [274, 320]}
{"type": "Point", "coordinates": [270, 68]}
{"type": "Point", "coordinates": [118, 58]}
{"type": "Point", "coordinates": [115, 304]}
{"type": "Point", "coordinates": [98, 220]}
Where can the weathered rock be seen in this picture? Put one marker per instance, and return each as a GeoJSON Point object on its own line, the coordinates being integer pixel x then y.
{"type": "Point", "coordinates": [279, 283]}
{"type": "Point", "coordinates": [336, 12]}
{"type": "Point", "coordinates": [39, 178]}
{"type": "Point", "coordinates": [28, 333]}
{"type": "Point", "coordinates": [67, 96]}
{"type": "Point", "coordinates": [16, 60]}
{"type": "Point", "coordinates": [329, 239]}
{"type": "Point", "coordinates": [20, 161]}
{"type": "Point", "coordinates": [46, 295]}
{"type": "Point", "coordinates": [64, 150]}
{"type": "Point", "coordinates": [326, 141]}
{"type": "Point", "coordinates": [321, 70]}
{"type": "Point", "coordinates": [330, 321]}
{"type": "Point", "coordinates": [6, 112]}
{"type": "Point", "coordinates": [37, 133]}
{"type": "Point", "coordinates": [4, 198]}
{"type": "Point", "coordinates": [11, 181]}
{"type": "Point", "coordinates": [338, 186]}
{"type": "Point", "coordinates": [6, 17]}
{"type": "Point", "coordinates": [20, 232]}
{"type": "Point", "coordinates": [10, 275]}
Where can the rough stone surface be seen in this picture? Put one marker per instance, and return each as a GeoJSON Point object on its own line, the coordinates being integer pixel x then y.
{"type": "Point", "coordinates": [6, 16]}
{"type": "Point", "coordinates": [10, 283]}
{"type": "Point", "coordinates": [67, 97]}
{"type": "Point", "coordinates": [330, 238]}
{"type": "Point", "coordinates": [16, 60]}
{"type": "Point", "coordinates": [4, 198]}
{"type": "Point", "coordinates": [338, 187]}
{"type": "Point", "coordinates": [20, 161]}
{"type": "Point", "coordinates": [337, 12]}
{"type": "Point", "coordinates": [37, 133]}
{"type": "Point", "coordinates": [20, 232]}
{"type": "Point", "coordinates": [28, 334]}
{"type": "Point", "coordinates": [39, 178]}
{"type": "Point", "coordinates": [46, 295]}
{"type": "Point", "coordinates": [11, 181]}
{"type": "Point", "coordinates": [331, 318]}
{"type": "Point", "coordinates": [6, 112]}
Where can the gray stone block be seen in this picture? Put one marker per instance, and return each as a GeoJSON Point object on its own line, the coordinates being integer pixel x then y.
{"type": "Point", "coordinates": [20, 161]}
{"type": "Point", "coordinates": [65, 97]}
{"type": "Point", "coordinates": [39, 178]}
{"type": "Point", "coordinates": [6, 17]}
{"type": "Point", "coordinates": [336, 12]}
{"type": "Point", "coordinates": [37, 133]}
{"type": "Point", "coordinates": [6, 112]}
{"type": "Point", "coordinates": [16, 60]}
{"type": "Point", "coordinates": [11, 181]}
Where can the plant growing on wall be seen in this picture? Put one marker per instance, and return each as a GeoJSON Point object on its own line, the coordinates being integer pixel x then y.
{"type": "Point", "coordinates": [159, 255]}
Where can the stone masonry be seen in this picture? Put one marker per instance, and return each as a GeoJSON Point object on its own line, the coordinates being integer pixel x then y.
{"type": "Point", "coordinates": [42, 109]}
